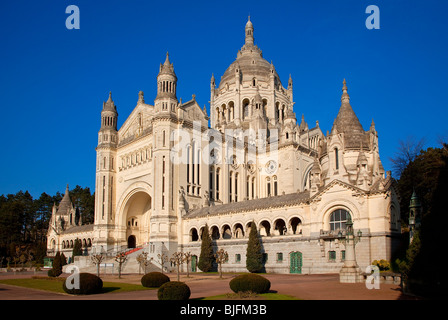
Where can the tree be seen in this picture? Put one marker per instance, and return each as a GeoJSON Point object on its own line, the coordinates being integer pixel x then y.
{"type": "Point", "coordinates": [77, 248]}
{"type": "Point", "coordinates": [177, 259]}
{"type": "Point", "coordinates": [96, 260]}
{"type": "Point", "coordinates": [428, 174]}
{"type": "Point", "coordinates": [57, 265]}
{"type": "Point", "coordinates": [187, 260]}
{"type": "Point", "coordinates": [221, 257]}
{"type": "Point", "coordinates": [121, 259]}
{"type": "Point", "coordinates": [254, 256]}
{"type": "Point", "coordinates": [206, 257]}
{"type": "Point", "coordinates": [407, 151]}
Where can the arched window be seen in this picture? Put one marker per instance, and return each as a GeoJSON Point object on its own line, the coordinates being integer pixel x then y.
{"type": "Point", "coordinates": [338, 219]}
{"type": "Point", "coordinates": [218, 172]}
{"type": "Point", "coordinates": [268, 186]}
{"type": "Point", "coordinates": [236, 187]}
{"type": "Point", "coordinates": [230, 186]}
{"type": "Point", "coordinates": [275, 185]}
{"type": "Point", "coordinates": [246, 108]}
{"type": "Point", "coordinates": [336, 158]}
{"type": "Point", "coordinates": [194, 235]}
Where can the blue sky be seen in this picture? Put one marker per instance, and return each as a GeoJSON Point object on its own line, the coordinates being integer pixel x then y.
{"type": "Point", "coordinates": [53, 81]}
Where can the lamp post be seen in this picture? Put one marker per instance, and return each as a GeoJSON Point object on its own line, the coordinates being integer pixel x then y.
{"type": "Point", "coordinates": [350, 271]}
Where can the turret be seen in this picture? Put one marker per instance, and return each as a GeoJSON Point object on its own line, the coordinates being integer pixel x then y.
{"type": "Point", "coordinates": [415, 211]}
{"type": "Point", "coordinates": [166, 100]}
{"type": "Point", "coordinates": [107, 135]}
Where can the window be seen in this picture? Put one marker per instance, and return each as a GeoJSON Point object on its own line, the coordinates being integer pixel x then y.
{"type": "Point", "coordinates": [336, 158]}
{"type": "Point", "coordinates": [338, 219]}
{"type": "Point", "coordinates": [279, 256]}
{"type": "Point", "coordinates": [237, 258]}
{"type": "Point", "coordinates": [217, 183]}
{"type": "Point", "coordinates": [332, 255]}
{"type": "Point", "coordinates": [268, 184]}
{"type": "Point", "coordinates": [275, 186]}
{"type": "Point", "coordinates": [343, 255]}
{"type": "Point", "coordinates": [236, 187]}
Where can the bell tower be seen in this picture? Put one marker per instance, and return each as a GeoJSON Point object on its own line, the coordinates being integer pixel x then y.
{"type": "Point", "coordinates": [106, 159]}
{"type": "Point", "coordinates": [166, 100]}
{"type": "Point", "coordinates": [163, 231]}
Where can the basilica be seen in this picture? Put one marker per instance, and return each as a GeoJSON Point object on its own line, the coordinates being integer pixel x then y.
{"type": "Point", "coordinates": [173, 169]}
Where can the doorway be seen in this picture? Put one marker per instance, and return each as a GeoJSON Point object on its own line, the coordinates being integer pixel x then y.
{"type": "Point", "coordinates": [295, 262]}
{"type": "Point", "coordinates": [131, 241]}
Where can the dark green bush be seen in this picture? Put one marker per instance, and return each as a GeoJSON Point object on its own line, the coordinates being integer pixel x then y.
{"type": "Point", "coordinates": [88, 284]}
{"type": "Point", "coordinates": [154, 279]}
{"type": "Point", "coordinates": [50, 273]}
{"type": "Point", "coordinates": [250, 282]}
{"type": "Point", "coordinates": [174, 290]}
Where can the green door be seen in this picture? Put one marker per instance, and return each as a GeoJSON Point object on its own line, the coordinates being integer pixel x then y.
{"type": "Point", "coordinates": [194, 261]}
{"type": "Point", "coordinates": [295, 262]}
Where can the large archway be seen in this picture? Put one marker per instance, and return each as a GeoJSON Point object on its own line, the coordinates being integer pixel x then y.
{"type": "Point", "coordinates": [136, 215]}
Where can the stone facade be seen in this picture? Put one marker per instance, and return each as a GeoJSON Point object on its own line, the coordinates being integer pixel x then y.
{"type": "Point", "coordinates": [172, 169]}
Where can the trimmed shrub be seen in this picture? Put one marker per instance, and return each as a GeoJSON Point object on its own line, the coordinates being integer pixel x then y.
{"type": "Point", "coordinates": [174, 290]}
{"type": "Point", "coordinates": [88, 284]}
{"type": "Point", "coordinates": [382, 264]}
{"type": "Point", "coordinates": [50, 273]}
{"type": "Point", "coordinates": [154, 279]}
{"type": "Point", "coordinates": [250, 282]}
{"type": "Point", "coordinates": [254, 256]}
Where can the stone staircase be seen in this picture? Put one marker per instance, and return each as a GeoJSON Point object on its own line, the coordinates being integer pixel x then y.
{"type": "Point", "coordinates": [110, 266]}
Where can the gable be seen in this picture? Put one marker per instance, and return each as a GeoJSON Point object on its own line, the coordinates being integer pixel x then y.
{"type": "Point", "coordinates": [193, 112]}
{"type": "Point", "coordinates": [138, 120]}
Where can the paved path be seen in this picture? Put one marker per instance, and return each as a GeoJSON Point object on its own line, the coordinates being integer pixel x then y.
{"type": "Point", "coordinates": [307, 287]}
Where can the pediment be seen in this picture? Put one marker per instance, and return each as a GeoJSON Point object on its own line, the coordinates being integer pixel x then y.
{"type": "Point", "coordinates": [338, 186]}
{"type": "Point", "coordinates": [193, 112]}
{"type": "Point", "coordinates": [139, 119]}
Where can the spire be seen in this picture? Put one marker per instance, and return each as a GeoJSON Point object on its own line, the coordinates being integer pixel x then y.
{"type": "Point", "coordinates": [348, 123]}
{"type": "Point", "coordinates": [249, 33]}
{"type": "Point", "coordinates": [167, 60]}
{"type": "Point", "coordinates": [167, 67]}
{"type": "Point", "coordinates": [109, 105]}
{"type": "Point", "coordinates": [345, 97]}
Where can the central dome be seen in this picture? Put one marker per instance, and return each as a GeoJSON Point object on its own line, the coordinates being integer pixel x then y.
{"type": "Point", "coordinates": [249, 63]}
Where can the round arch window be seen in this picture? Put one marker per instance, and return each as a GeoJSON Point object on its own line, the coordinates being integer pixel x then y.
{"type": "Point", "coordinates": [338, 219]}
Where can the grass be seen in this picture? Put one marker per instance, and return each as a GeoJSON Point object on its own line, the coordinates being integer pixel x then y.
{"type": "Point", "coordinates": [56, 285]}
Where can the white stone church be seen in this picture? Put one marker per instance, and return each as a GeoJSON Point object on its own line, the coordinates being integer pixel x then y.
{"type": "Point", "coordinates": [171, 170]}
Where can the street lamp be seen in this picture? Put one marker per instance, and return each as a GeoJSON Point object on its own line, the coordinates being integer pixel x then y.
{"type": "Point", "coordinates": [350, 271]}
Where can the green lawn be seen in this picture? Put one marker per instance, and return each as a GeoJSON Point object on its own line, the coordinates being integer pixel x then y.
{"type": "Point", "coordinates": [56, 285]}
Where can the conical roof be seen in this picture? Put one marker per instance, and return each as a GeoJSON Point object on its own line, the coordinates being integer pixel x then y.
{"type": "Point", "coordinates": [348, 123]}
{"type": "Point", "coordinates": [66, 204]}
{"type": "Point", "coordinates": [109, 105]}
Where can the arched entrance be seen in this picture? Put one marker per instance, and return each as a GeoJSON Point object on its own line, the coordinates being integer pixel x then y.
{"type": "Point", "coordinates": [131, 241]}
{"type": "Point", "coordinates": [135, 219]}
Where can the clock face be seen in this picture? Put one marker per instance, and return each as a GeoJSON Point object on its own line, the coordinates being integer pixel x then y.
{"type": "Point", "coordinates": [271, 167]}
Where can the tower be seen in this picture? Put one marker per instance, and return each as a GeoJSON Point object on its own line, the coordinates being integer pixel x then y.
{"type": "Point", "coordinates": [163, 231]}
{"type": "Point", "coordinates": [166, 100]}
{"type": "Point", "coordinates": [105, 176]}
{"type": "Point", "coordinates": [415, 210]}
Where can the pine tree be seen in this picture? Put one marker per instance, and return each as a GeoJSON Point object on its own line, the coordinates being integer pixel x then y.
{"type": "Point", "coordinates": [77, 249]}
{"type": "Point", "coordinates": [254, 256]}
{"type": "Point", "coordinates": [57, 265]}
{"type": "Point", "coordinates": [206, 258]}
